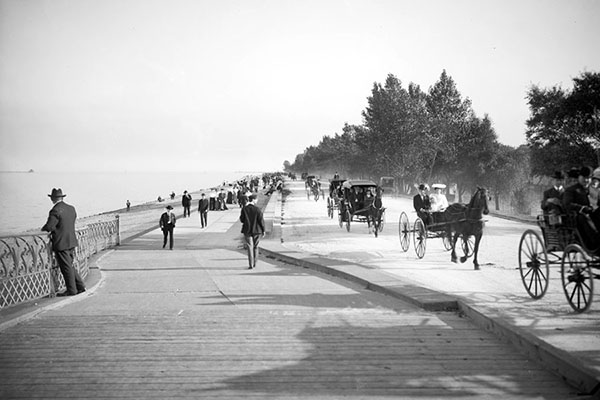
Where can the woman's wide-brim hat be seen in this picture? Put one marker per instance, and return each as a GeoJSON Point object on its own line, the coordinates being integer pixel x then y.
{"type": "Point", "coordinates": [438, 186]}
{"type": "Point", "coordinates": [57, 193]}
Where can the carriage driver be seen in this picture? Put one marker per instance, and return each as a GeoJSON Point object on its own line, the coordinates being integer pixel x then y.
{"type": "Point", "coordinates": [422, 204]}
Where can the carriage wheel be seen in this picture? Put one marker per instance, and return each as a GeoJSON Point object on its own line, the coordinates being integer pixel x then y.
{"type": "Point", "coordinates": [533, 264]}
{"type": "Point", "coordinates": [468, 245]}
{"type": "Point", "coordinates": [577, 278]}
{"type": "Point", "coordinates": [404, 231]}
{"type": "Point", "coordinates": [348, 219]}
{"type": "Point", "coordinates": [420, 237]}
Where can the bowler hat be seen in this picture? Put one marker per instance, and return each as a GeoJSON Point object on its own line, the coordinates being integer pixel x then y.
{"type": "Point", "coordinates": [423, 186]}
{"type": "Point", "coordinates": [558, 175]}
{"type": "Point", "coordinates": [573, 173]}
{"type": "Point", "coordinates": [169, 208]}
{"type": "Point", "coordinates": [585, 172]}
{"type": "Point", "coordinates": [57, 193]}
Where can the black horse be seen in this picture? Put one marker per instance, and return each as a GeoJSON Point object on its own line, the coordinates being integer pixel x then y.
{"type": "Point", "coordinates": [465, 220]}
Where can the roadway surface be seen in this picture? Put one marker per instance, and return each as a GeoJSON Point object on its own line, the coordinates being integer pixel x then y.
{"type": "Point", "coordinates": [196, 323]}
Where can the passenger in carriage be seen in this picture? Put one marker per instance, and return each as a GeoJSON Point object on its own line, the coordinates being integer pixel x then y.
{"type": "Point", "coordinates": [422, 204]}
{"type": "Point", "coordinates": [360, 198]}
{"type": "Point", "coordinates": [552, 200]}
{"type": "Point", "coordinates": [576, 200]}
{"type": "Point", "coordinates": [438, 202]}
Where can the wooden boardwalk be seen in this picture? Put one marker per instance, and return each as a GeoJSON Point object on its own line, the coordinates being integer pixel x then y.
{"type": "Point", "coordinates": [193, 323]}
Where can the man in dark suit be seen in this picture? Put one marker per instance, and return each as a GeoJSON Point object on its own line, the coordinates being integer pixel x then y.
{"type": "Point", "coordinates": [167, 224]}
{"type": "Point", "coordinates": [253, 228]}
{"type": "Point", "coordinates": [576, 200]}
{"type": "Point", "coordinates": [422, 204]}
{"type": "Point", "coordinates": [61, 225]}
{"type": "Point", "coordinates": [203, 210]}
{"type": "Point", "coordinates": [552, 197]}
{"type": "Point", "coordinates": [186, 202]}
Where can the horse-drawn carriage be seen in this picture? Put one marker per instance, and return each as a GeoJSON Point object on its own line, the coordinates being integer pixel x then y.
{"type": "Point", "coordinates": [361, 202]}
{"type": "Point", "coordinates": [561, 243]}
{"type": "Point", "coordinates": [312, 185]}
{"type": "Point", "coordinates": [335, 196]}
{"type": "Point", "coordinates": [459, 221]}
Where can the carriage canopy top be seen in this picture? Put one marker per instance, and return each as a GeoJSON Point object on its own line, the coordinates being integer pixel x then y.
{"type": "Point", "coordinates": [362, 183]}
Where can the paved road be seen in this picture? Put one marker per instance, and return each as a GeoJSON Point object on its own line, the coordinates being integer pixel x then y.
{"type": "Point", "coordinates": [496, 290]}
{"type": "Point", "coordinates": [195, 323]}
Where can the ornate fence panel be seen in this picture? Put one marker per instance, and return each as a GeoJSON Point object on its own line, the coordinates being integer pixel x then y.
{"type": "Point", "coordinates": [28, 269]}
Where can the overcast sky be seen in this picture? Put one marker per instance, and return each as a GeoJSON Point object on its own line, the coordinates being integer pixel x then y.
{"type": "Point", "coordinates": [172, 85]}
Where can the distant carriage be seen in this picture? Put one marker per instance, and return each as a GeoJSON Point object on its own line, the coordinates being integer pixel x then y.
{"type": "Point", "coordinates": [335, 196]}
{"type": "Point", "coordinates": [361, 202]}
{"type": "Point", "coordinates": [313, 188]}
{"type": "Point", "coordinates": [561, 243]}
{"type": "Point", "coordinates": [388, 184]}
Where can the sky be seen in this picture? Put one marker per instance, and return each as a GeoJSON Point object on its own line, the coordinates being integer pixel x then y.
{"type": "Point", "coordinates": [199, 85]}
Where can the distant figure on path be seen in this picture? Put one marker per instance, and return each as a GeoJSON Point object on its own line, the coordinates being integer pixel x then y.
{"type": "Point", "coordinates": [172, 195]}
{"type": "Point", "coordinates": [203, 206]}
{"type": "Point", "coordinates": [61, 225]}
{"type": "Point", "coordinates": [167, 224]}
{"type": "Point", "coordinates": [128, 204]}
{"type": "Point", "coordinates": [253, 228]}
{"type": "Point", "coordinates": [186, 202]}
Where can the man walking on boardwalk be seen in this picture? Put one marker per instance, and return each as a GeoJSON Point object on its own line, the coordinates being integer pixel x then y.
{"type": "Point", "coordinates": [167, 224]}
{"type": "Point", "coordinates": [61, 225]}
{"type": "Point", "coordinates": [203, 210]}
{"type": "Point", "coordinates": [253, 228]}
{"type": "Point", "coordinates": [186, 202]}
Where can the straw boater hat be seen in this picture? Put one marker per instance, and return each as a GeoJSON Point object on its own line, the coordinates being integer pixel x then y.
{"type": "Point", "coordinates": [57, 193]}
{"type": "Point", "coordinates": [438, 186]}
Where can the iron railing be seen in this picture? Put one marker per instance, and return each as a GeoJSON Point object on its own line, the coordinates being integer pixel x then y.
{"type": "Point", "coordinates": [28, 269]}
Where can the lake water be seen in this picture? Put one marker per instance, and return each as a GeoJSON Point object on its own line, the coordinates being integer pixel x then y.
{"type": "Point", "coordinates": [25, 203]}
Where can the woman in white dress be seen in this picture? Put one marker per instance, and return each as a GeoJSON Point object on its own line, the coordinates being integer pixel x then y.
{"type": "Point", "coordinates": [438, 199]}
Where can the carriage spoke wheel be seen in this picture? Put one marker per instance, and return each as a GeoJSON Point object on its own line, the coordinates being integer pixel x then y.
{"type": "Point", "coordinates": [468, 245]}
{"type": "Point", "coordinates": [348, 219]}
{"type": "Point", "coordinates": [533, 264]}
{"type": "Point", "coordinates": [577, 278]}
{"type": "Point", "coordinates": [420, 238]}
{"type": "Point", "coordinates": [404, 231]}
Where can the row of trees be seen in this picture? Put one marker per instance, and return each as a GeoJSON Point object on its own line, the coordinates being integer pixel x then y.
{"type": "Point", "coordinates": [416, 136]}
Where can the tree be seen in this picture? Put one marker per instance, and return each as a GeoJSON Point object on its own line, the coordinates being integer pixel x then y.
{"type": "Point", "coordinates": [562, 130]}
{"type": "Point", "coordinates": [448, 116]}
